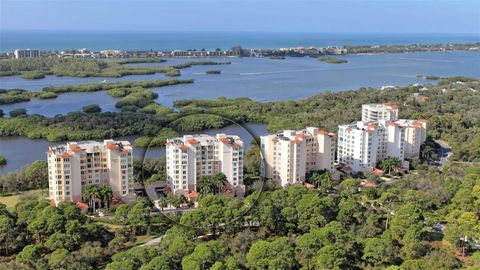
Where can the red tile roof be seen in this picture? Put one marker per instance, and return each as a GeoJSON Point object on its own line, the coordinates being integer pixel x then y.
{"type": "Point", "coordinates": [192, 141]}
{"type": "Point", "coordinates": [75, 148]}
{"type": "Point", "coordinates": [300, 135]}
{"type": "Point", "coordinates": [377, 171]}
{"type": "Point", "coordinates": [192, 195]}
{"type": "Point", "coordinates": [82, 205]}
{"type": "Point", "coordinates": [366, 183]}
{"type": "Point", "coordinates": [183, 147]}
{"type": "Point", "coordinates": [309, 186]}
{"type": "Point", "coordinates": [224, 140]}
{"type": "Point", "coordinates": [111, 146]}
{"type": "Point", "coordinates": [391, 105]}
{"type": "Point", "coordinates": [66, 155]}
{"type": "Point", "coordinates": [322, 132]}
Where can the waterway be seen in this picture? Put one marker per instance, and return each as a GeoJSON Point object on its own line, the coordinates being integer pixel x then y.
{"type": "Point", "coordinates": [261, 79]}
{"type": "Point", "coordinates": [21, 151]}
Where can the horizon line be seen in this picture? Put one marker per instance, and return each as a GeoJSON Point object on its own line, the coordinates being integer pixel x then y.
{"type": "Point", "coordinates": [232, 32]}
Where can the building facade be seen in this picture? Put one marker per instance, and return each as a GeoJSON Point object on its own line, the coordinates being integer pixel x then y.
{"type": "Point", "coordinates": [374, 112]}
{"type": "Point", "coordinates": [380, 134]}
{"type": "Point", "coordinates": [26, 53]}
{"type": "Point", "coordinates": [75, 165]}
{"type": "Point", "coordinates": [193, 156]}
{"type": "Point", "coordinates": [288, 156]}
{"type": "Point", "coordinates": [415, 136]}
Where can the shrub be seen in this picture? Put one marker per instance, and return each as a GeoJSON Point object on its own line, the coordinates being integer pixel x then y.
{"type": "Point", "coordinates": [18, 112]}
{"type": "Point", "coordinates": [93, 108]}
{"type": "Point", "coordinates": [3, 161]}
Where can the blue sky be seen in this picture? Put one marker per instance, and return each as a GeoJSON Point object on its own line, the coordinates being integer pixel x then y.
{"type": "Point", "coordinates": [351, 16]}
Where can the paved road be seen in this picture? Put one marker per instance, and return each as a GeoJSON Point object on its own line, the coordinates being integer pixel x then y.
{"type": "Point", "coordinates": [444, 153]}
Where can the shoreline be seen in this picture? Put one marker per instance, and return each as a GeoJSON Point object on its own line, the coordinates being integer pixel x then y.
{"type": "Point", "coordinates": [239, 51]}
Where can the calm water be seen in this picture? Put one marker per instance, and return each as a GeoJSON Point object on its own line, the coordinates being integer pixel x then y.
{"type": "Point", "coordinates": [259, 79]}
{"type": "Point", "coordinates": [21, 152]}
{"type": "Point", "coordinates": [60, 40]}
{"type": "Point", "coordinates": [263, 79]}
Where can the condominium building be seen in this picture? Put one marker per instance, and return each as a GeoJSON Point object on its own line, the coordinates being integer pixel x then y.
{"type": "Point", "coordinates": [415, 136]}
{"type": "Point", "coordinates": [75, 165]}
{"type": "Point", "coordinates": [374, 112]}
{"type": "Point", "coordinates": [193, 156]}
{"type": "Point", "coordinates": [288, 156]}
{"type": "Point", "coordinates": [26, 53]}
{"type": "Point", "coordinates": [358, 145]}
{"type": "Point", "coordinates": [380, 134]}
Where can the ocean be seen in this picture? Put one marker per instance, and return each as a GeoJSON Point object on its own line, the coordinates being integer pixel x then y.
{"type": "Point", "coordinates": [60, 40]}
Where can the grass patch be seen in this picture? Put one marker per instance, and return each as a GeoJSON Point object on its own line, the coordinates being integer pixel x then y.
{"type": "Point", "coordinates": [11, 200]}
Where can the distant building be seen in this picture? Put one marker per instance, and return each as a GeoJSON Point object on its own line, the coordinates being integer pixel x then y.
{"type": "Point", "coordinates": [193, 156]}
{"type": "Point", "coordinates": [288, 156]}
{"type": "Point", "coordinates": [28, 53]}
{"type": "Point", "coordinates": [374, 112]}
{"type": "Point", "coordinates": [75, 165]}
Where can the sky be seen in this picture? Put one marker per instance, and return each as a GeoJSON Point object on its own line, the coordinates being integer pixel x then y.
{"type": "Point", "coordinates": [340, 16]}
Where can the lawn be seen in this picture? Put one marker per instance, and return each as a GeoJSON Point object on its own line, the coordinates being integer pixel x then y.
{"type": "Point", "coordinates": [11, 200]}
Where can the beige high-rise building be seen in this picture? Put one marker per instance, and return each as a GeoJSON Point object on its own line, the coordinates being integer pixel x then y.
{"type": "Point", "coordinates": [380, 134]}
{"type": "Point", "coordinates": [193, 156]}
{"type": "Point", "coordinates": [75, 165]}
{"type": "Point", "coordinates": [415, 136]}
{"type": "Point", "coordinates": [288, 156]}
{"type": "Point", "coordinates": [374, 112]}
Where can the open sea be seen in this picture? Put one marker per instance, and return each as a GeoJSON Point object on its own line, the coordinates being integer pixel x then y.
{"type": "Point", "coordinates": [60, 40]}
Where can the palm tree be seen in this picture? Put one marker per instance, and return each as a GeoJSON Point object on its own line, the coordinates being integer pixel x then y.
{"type": "Point", "coordinates": [87, 194]}
{"type": "Point", "coordinates": [92, 193]}
{"type": "Point", "coordinates": [219, 182]}
{"type": "Point", "coordinates": [204, 185]}
{"type": "Point", "coordinates": [106, 194]}
{"type": "Point", "coordinates": [427, 152]}
{"type": "Point", "coordinates": [390, 164]}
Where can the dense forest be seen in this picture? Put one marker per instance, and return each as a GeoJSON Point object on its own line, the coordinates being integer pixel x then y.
{"type": "Point", "coordinates": [428, 220]}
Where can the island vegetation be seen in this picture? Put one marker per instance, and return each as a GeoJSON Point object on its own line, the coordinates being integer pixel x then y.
{"type": "Point", "coordinates": [432, 78]}
{"type": "Point", "coordinates": [19, 95]}
{"type": "Point", "coordinates": [18, 112]}
{"type": "Point", "coordinates": [3, 160]}
{"type": "Point", "coordinates": [213, 72]}
{"type": "Point", "coordinates": [277, 57]}
{"type": "Point", "coordinates": [332, 60]}
{"type": "Point", "coordinates": [37, 68]}
{"type": "Point", "coordinates": [93, 108]}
